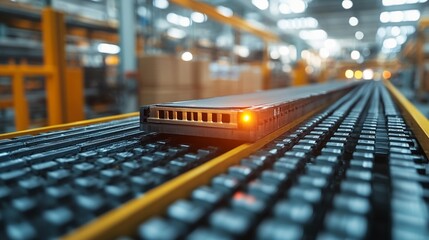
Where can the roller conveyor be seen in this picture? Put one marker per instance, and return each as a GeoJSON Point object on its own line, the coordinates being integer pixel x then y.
{"type": "Point", "coordinates": [349, 168]}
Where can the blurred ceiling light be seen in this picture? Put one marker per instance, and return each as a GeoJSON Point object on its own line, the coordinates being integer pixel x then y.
{"type": "Point", "coordinates": [401, 2]}
{"type": "Point", "coordinates": [162, 4]}
{"type": "Point", "coordinates": [401, 39]}
{"type": "Point", "coordinates": [176, 33]}
{"type": "Point", "coordinates": [297, 6]}
{"type": "Point", "coordinates": [178, 20]}
{"type": "Point", "coordinates": [241, 51]}
{"type": "Point", "coordinates": [359, 35]}
{"type": "Point", "coordinates": [368, 74]}
{"type": "Point", "coordinates": [283, 50]}
{"type": "Point", "coordinates": [396, 16]}
{"type": "Point", "coordinates": [390, 43]}
{"type": "Point", "coordinates": [318, 34]}
{"type": "Point", "coordinates": [274, 54]}
{"type": "Point", "coordinates": [198, 17]}
{"type": "Point", "coordinates": [353, 21]}
{"type": "Point", "coordinates": [142, 12]}
{"type": "Point", "coordinates": [355, 54]}
{"type": "Point", "coordinates": [349, 73]}
{"type": "Point", "coordinates": [395, 31]}
{"type": "Point", "coordinates": [381, 32]}
{"type": "Point", "coordinates": [261, 4]}
{"type": "Point", "coordinates": [297, 23]}
{"type": "Point", "coordinates": [400, 16]}
{"type": "Point", "coordinates": [358, 74]}
{"type": "Point", "coordinates": [108, 48]}
{"type": "Point", "coordinates": [305, 54]}
{"type": "Point", "coordinates": [187, 56]}
{"type": "Point", "coordinates": [324, 53]}
{"type": "Point", "coordinates": [227, 12]}
{"type": "Point", "coordinates": [284, 8]}
{"type": "Point", "coordinates": [347, 4]}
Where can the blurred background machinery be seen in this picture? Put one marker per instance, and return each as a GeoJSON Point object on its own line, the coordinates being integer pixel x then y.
{"type": "Point", "coordinates": [63, 61]}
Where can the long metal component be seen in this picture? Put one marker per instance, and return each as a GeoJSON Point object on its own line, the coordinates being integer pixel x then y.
{"type": "Point", "coordinates": [245, 117]}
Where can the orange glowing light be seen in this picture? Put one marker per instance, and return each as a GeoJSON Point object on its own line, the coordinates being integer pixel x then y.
{"type": "Point", "coordinates": [246, 118]}
{"type": "Point", "coordinates": [386, 74]}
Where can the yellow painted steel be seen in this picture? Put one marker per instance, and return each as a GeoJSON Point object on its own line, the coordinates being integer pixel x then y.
{"type": "Point", "coordinates": [68, 125]}
{"type": "Point", "coordinates": [416, 120]}
{"type": "Point", "coordinates": [20, 102]}
{"type": "Point", "coordinates": [54, 55]}
{"type": "Point", "coordinates": [74, 98]}
{"type": "Point", "coordinates": [234, 21]}
{"type": "Point", "coordinates": [125, 219]}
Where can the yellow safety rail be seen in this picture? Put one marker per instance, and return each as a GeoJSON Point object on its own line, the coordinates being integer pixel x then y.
{"type": "Point", "coordinates": [416, 120]}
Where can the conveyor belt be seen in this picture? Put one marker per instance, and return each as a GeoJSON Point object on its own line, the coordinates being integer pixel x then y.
{"type": "Point", "coordinates": [351, 169]}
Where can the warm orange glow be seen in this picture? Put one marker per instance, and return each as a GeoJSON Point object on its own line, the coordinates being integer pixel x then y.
{"type": "Point", "coordinates": [386, 74]}
{"type": "Point", "coordinates": [246, 117]}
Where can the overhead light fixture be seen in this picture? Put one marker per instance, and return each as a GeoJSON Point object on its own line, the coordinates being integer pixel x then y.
{"type": "Point", "coordinates": [297, 6]}
{"type": "Point", "coordinates": [349, 73]}
{"type": "Point", "coordinates": [359, 35]}
{"type": "Point", "coordinates": [347, 4]}
{"type": "Point", "coordinates": [241, 51]}
{"type": "Point", "coordinates": [324, 53]}
{"type": "Point", "coordinates": [198, 17]}
{"type": "Point", "coordinates": [318, 34]}
{"type": "Point", "coordinates": [401, 2]}
{"type": "Point", "coordinates": [187, 56]}
{"type": "Point", "coordinates": [400, 16]}
{"type": "Point", "coordinates": [353, 21]}
{"type": "Point", "coordinates": [395, 31]}
{"type": "Point", "coordinates": [368, 74]}
{"type": "Point", "coordinates": [178, 20]}
{"type": "Point", "coordinates": [162, 4]}
{"type": "Point", "coordinates": [108, 48]}
{"type": "Point", "coordinates": [274, 54]}
{"type": "Point", "coordinates": [390, 43]}
{"type": "Point", "coordinates": [227, 12]}
{"type": "Point", "coordinates": [176, 33]}
{"type": "Point", "coordinates": [355, 54]}
{"type": "Point", "coordinates": [401, 39]}
{"type": "Point", "coordinates": [298, 23]}
{"type": "Point", "coordinates": [261, 4]}
{"type": "Point", "coordinates": [284, 8]}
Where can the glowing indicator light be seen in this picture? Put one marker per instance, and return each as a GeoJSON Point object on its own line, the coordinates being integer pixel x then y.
{"type": "Point", "coordinates": [386, 74]}
{"type": "Point", "coordinates": [246, 118]}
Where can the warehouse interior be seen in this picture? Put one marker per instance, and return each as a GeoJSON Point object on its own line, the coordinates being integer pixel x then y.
{"type": "Point", "coordinates": [112, 56]}
{"type": "Point", "coordinates": [214, 119]}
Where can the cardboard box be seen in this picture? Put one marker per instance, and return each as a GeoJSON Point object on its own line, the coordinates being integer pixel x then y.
{"type": "Point", "coordinates": [250, 79]}
{"type": "Point", "coordinates": [201, 74]}
{"type": "Point", "coordinates": [157, 71]}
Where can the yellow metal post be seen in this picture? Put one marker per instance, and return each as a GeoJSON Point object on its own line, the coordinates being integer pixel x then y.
{"type": "Point", "coordinates": [54, 54]}
{"type": "Point", "coordinates": [74, 94]}
{"type": "Point", "coordinates": [20, 102]}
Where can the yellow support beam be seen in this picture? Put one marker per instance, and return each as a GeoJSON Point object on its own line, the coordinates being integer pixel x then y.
{"type": "Point", "coordinates": [124, 220]}
{"type": "Point", "coordinates": [234, 21]}
{"type": "Point", "coordinates": [54, 55]}
{"type": "Point", "coordinates": [416, 120]}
